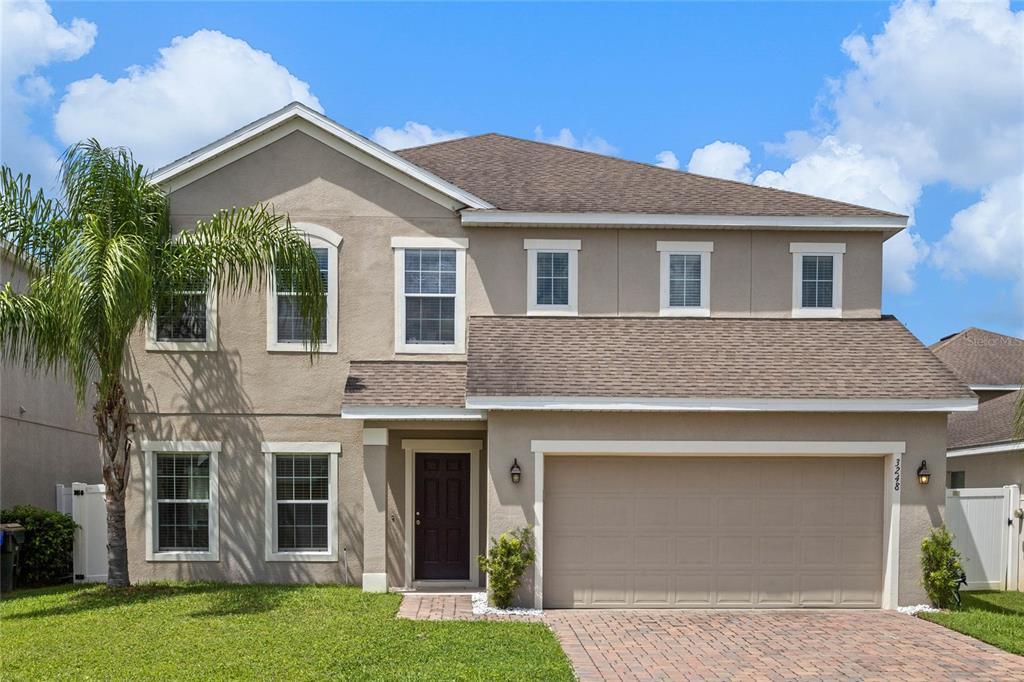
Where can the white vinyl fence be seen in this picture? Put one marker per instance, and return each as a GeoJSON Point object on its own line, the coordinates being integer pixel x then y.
{"type": "Point", "coordinates": [986, 533]}
{"type": "Point", "coordinates": [86, 505]}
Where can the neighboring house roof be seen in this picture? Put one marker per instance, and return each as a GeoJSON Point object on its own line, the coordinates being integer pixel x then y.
{"type": "Point", "coordinates": [983, 358]}
{"type": "Point", "coordinates": [992, 423]}
{"type": "Point", "coordinates": [710, 363]}
{"type": "Point", "coordinates": [297, 116]}
{"type": "Point", "coordinates": [406, 383]}
{"type": "Point", "coordinates": [525, 176]}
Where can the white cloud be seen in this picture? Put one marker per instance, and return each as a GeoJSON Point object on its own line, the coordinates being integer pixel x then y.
{"type": "Point", "coordinates": [719, 159]}
{"type": "Point", "coordinates": [988, 237]}
{"type": "Point", "coordinates": [201, 87]}
{"type": "Point", "coordinates": [667, 159]}
{"type": "Point", "coordinates": [934, 97]}
{"type": "Point", "coordinates": [939, 90]}
{"type": "Point", "coordinates": [30, 39]}
{"type": "Point", "coordinates": [566, 138]}
{"type": "Point", "coordinates": [412, 134]}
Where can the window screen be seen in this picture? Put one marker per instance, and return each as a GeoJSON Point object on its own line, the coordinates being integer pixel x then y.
{"type": "Point", "coordinates": [181, 316]}
{"type": "Point", "coordinates": [684, 280]}
{"type": "Point", "coordinates": [301, 489]}
{"type": "Point", "coordinates": [817, 282]}
{"type": "Point", "coordinates": [291, 327]}
{"type": "Point", "coordinates": [183, 502]}
{"type": "Point", "coordinates": [552, 278]}
{"type": "Point", "coordinates": [430, 296]}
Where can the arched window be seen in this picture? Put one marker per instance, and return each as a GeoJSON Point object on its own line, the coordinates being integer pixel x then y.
{"type": "Point", "coordinates": [285, 326]}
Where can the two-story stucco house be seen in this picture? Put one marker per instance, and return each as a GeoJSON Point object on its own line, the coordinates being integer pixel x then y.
{"type": "Point", "coordinates": [684, 384]}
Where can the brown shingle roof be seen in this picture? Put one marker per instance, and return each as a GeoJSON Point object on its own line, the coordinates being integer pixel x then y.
{"type": "Point", "coordinates": [522, 175]}
{"type": "Point", "coordinates": [992, 423]}
{"type": "Point", "coordinates": [981, 357]}
{"type": "Point", "coordinates": [703, 358]}
{"type": "Point", "coordinates": [406, 384]}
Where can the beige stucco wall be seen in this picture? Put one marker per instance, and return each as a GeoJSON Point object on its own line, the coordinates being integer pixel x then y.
{"type": "Point", "coordinates": [619, 270]}
{"type": "Point", "coordinates": [45, 438]}
{"type": "Point", "coordinates": [510, 433]}
{"type": "Point", "coordinates": [990, 471]}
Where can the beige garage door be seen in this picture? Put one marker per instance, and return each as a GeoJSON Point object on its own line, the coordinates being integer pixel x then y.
{"type": "Point", "coordinates": [678, 532]}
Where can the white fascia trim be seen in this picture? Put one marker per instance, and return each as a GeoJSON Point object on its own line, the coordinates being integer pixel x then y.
{"type": "Point", "coordinates": [686, 247]}
{"type": "Point", "coordinates": [718, 447]}
{"type": "Point", "coordinates": [302, 448]}
{"type": "Point", "coordinates": [429, 243]}
{"type": "Point", "coordinates": [817, 248]}
{"type": "Point", "coordinates": [986, 449]}
{"type": "Point", "coordinates": [553, 244]}
{"type": "Point", "coordinates": [413, 413]}
{"type": "Point", "coordinates": [996, 387]}
{"type": "Point", "coordinates": [296, 116]}
{"type": "Point", "coordinates": [570, 403]}
{"type": "Point", "coordinates": [498, 217]}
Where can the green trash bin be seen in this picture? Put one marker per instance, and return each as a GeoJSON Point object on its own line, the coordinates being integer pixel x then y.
{"type": "Point", "coordinates": [12, 535]}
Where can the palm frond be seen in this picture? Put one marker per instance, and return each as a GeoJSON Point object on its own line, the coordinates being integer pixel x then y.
{"type": "Point", "coordinates": [235, 251]}
{"type": "Point", "coordinates": [31, 229]}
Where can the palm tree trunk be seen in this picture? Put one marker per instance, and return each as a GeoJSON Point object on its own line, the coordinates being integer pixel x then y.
{"type": "Point", "coordinates": [111, 415]}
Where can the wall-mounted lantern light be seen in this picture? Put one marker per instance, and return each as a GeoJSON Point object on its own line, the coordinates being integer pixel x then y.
{"type": "Point", "coordinates": [923, 475]}
{"type": "Point", "coordinates": [517, 473]}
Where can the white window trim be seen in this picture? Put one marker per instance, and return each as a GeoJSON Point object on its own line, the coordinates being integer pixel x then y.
{"type": "Point", "coordinates": [399, 245]}
{"type": "Point", "coordinates": [568, 246]}
{"type": "Point", "coordinates": [316, 236]}
{"type": "Point", "coordinates": [210, 344]}
{"type": "Point", "coordinates": [702, 249]}
{"type": "Point", "coordinates": [150, 450]}
{"type": "Point", "coordinates": [801, 249]}
{"type": "Point", "coordinates": [270, 449]}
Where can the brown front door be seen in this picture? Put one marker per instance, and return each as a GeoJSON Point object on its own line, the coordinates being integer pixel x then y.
{"type": "Point", "coordinates": [442, 516]}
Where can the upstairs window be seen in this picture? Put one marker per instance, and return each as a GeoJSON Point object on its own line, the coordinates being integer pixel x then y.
{"type": "Point", "coordinates": [817, 279]}
{"type": "Point", "coordinates": [552, 276]}
{"type": "Point", "coordinates": [430, 306]}
{"type": "Point", "coordinates": [286, 328]}
{"type": "Point", "coordinates": [185, 319]}
{"type": "Point", "coordinates": [685, 278]}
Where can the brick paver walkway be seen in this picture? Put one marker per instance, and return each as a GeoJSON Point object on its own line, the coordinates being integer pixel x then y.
{"type": "Point", "coordinates": [746, 645]}
{"type": "Point", "coordinates": [773, 645]}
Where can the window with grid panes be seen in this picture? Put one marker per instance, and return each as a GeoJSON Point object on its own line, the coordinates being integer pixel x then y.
{"type": "Point", "coordinates": [430, 291]}
{"type": "Point", "coordinates": [301, 485]}
{"type": "Point", "coordinates": [183, 502]}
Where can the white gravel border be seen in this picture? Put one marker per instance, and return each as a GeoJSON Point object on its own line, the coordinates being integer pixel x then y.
{"type": "Point", "coordinates": [482, 608]}
{"type": "Point", "coordinates": [920, 608]}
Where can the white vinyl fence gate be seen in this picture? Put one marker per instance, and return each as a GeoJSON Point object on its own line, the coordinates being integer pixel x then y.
{"type": "Point", "coordinates": [986, 533]}
{"type": "Point", "coordinates": [85, 503]}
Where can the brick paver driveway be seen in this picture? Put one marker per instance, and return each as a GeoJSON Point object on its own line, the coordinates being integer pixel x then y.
{"type": "Point", "coordinates": [773, 645]}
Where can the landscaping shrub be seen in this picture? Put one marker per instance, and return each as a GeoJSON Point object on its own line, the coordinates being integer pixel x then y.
{"type": "Point", "coordinates": [941, 568]}
{"type": "Point", "coordinates": [45, 558]}
{"type": "Point", "coordinates": [507, 560]}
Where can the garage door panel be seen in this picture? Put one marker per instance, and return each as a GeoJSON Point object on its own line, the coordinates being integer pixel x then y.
{"type": "Point", "coordinates": [695, 550]}
{"type": "Point", "coordinates": [756, 533]}
{"type": "Point", "coordinates": [736, 552]}
{"type": "Point", "coordinates": [734, 590]}
{"type": "Point", "coordinates": [776, 513]}
{"type": "Point", "coordinates": [777, 589]}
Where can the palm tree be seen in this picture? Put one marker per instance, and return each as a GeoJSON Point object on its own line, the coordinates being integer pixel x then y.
{"type": "Point", "coordinates": [102, 258]}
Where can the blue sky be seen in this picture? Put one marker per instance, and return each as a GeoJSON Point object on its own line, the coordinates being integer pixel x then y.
{"type": "Point", "coordinates": [635, 80]}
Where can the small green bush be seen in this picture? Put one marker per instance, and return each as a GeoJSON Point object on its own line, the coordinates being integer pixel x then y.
{"type": "Point", "coordinates": [941, 568]}
{"type": "Point", "coordinates": [507, 560]}
{"type": "Point", "coordinates": [46, 557]}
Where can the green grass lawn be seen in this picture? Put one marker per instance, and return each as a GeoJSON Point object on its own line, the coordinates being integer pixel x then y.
{"type": "Point", "coordinates": [993, 617]}
{"type": "Point", "coordinates": [210, 631]}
